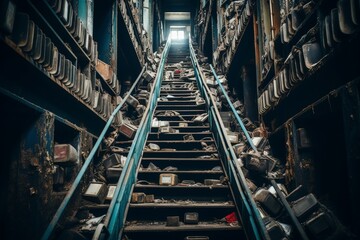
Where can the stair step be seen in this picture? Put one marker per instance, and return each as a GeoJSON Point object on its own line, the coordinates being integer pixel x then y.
{"type": "Point", "coordinates": [179, 187]}
{"type": "Point", "coordinates": [188, 129]}
{"type": "Point", "coordinates": [177, 153]}
{"type": "Point", "coordinates": [202, 226]}
{"type": "Point", "coordinates": [180, 233]}
{"type": "Point", "coordinates": [183, 165]}
{"type": "Point", "coordinates": [156, 214]}
{"type": "Point", "coordinates": [178, 81]}
{"type": "Point", "coordinates": [183, 112]}
{"type": "Point", "coordinates": [205, 172]}
{"type": "Point", "coordinates": [184, 205]}
{"type": "Point", "coordinates": [197, 176]}
{"type": "Point", "coordinates": [178, 136]}
{"type": "Point", "coordinates": [178, 85]}
{"type": "Point", "coordinates": [181, 145]}
{"type": "Point", "coordinates": [181, 107]}
{"type": "Point", "coordinates": [178, 91]}
{"type": "Point", "coordinates": [176, 103]}
{"type": "Point", "coordinates": [179, 98]}
{"type": "Point", "coordinates": [187, 117]}
{"type": "Point", "coordinates": [180, 159]}
{"type": "Point", "coordinates": [178, 94]}
{"type": "Point", "coordinates": [159, 142]}
{"type": "Point", "coordinates": [175, 123]}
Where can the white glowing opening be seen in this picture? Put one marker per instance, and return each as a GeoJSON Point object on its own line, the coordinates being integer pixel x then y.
{"type": "Point", "coordinates": [177, 35]}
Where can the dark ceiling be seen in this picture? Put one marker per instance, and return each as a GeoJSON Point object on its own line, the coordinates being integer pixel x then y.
{"type": "Point", "coordinates": [179, 5]}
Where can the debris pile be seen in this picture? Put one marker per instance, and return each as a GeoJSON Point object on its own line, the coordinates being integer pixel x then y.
{"type": "Point", "coordinates": [236, 17]}
{"type": "Point", "coordinates": [265, 174]}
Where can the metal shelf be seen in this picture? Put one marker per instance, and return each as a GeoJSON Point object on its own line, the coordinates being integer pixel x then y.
{"type": "Point", "coordinates": [37, 86]}
{"type": "Point", "coordinates": [54, 22]}
{"type": "Point", "coordinates": [309, 22]}
{"type": "Point", "coordinates": [106, 85]}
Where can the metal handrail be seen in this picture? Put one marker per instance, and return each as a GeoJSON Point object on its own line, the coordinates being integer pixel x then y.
{"type": "Point", "coordinates": [258, 227]}
{"type": "Point", "coordinates": [237, 117]}
{"type": "Point", "coordinates": [116, 214]}
{"type": "Point", "coordinates": [49, 230]}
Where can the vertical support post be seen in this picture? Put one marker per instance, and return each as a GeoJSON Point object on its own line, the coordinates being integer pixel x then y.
{"type": "Point", "coordinates": [300, 160]}
{"type": "Point", "coordinates": [33, 174]}
{"type": "Point", "coordinates": [90, 16]}
{"type": "Point", "coordinates": [293, 171]}
{"type": "Point", "coordinates": [351, 120]}
{"type": "Point", "coordinates": [257, 52]}
{"type": "Point", "coordinates": [86, 14]}
{"type": "Point", "coordinates": [260, 37]}
{"type": "Point", "coordinates": [214, 27]}
{"type": "Point", "coordinates": [114, 42]}
{"type": "Point", "coordinates": [249, 92]}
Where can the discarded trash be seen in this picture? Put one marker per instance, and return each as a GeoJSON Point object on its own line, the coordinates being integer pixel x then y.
{"type": "Point", "coordinates": [128, 130]}
{"type": "Point", "coordinates": [191, 218]}
{"type": "Point", "coordinates": [188, 137]}
{"type": "Point", "coordinates": [230, 218]}
{"type": "Point", "coordinates": [172, 221]}
{"type": "Point", "coordinates": [65, 154]}
{"type": "Point", "coordinates": [149, 198]}
{"type": "Point", "coordinates": [182, 124]}
{"type": "Point", "coordinates": [113, 160]}
{"type": "Point", "coordinates": [201, 118]}
{"type": "Point", "coordinates": [154, 147]}
{"type": "Point", "coordinates": [305, 206]}
{"type": "Point", "coordinates": [152, 167]}
{"type": "Point", "coordinates": [144, 182]}
{"type": "Point", "coordinates": [210, 182]}
{"type": "Point", "coordinates": [110, 192]}
{"type": "Point", "coordinates": [168, 179]}
{"type": "Point", "coordinates": [269, 203]}
{"type": "Point", "coordinates": [170, 168]}
{"type": "Point", "coordinates": [188, 182]}
{"type": "Point", "coordinates": [138, 198]}
{"type": "Point", "coordinates": [96, 192]}
{"type": "Point", "coordinates": [216, 168]}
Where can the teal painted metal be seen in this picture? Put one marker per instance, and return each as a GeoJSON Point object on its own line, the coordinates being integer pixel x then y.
{"type": "Point", "coordinates": [49, 230]}
{"type": "Point", "coordinates": [116, 215]}
{"type": "Point", "coordinates": [238, 119]}
{"type": "Point", "coordinates": [82, 11]}
{"type": "Point", "coordinates": [246, 206]}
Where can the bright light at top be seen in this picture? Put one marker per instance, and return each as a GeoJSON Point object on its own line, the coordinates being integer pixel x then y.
{"type": "Point", "coordinates": [177, 35]}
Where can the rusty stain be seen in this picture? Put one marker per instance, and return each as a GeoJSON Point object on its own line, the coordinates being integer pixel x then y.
{"type": "Point", "coordinates": [290, 162]}
{"type": "Point", "coordinates": [34, 161]}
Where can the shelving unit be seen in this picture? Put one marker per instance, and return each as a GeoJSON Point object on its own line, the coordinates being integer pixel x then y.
{"type": "Point", "coordinates": [133, 33]}
{"type": "Point", "coordinates": [44, 90]}
{"type": "Point", "coordinates": [106, 85]}
{"type": "Point", "coordinates": [309, 30]}
{"type": "Point", "coordinates": [242, 22]}
{"type": "Point", "coordinates": [309, 21]}
{"type": "Point", "coordinates": [54, 22]}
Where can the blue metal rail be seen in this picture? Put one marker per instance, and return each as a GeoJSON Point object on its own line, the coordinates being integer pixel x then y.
{"type": "Point", "coordinates": [116, 215]}
{"type": "Point", "coordinates": [70, 194]}
{"type": "Point", "coordinates": [248, 212]}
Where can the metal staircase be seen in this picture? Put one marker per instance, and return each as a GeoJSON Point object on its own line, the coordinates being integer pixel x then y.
{"type": "Point", "coordinates": [181, 178]}
{"type": "Point", "coordinates": [187, 149]}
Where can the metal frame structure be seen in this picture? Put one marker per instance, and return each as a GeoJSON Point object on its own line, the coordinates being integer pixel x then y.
{"type": "Point", "coordinates": [253, 224]}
